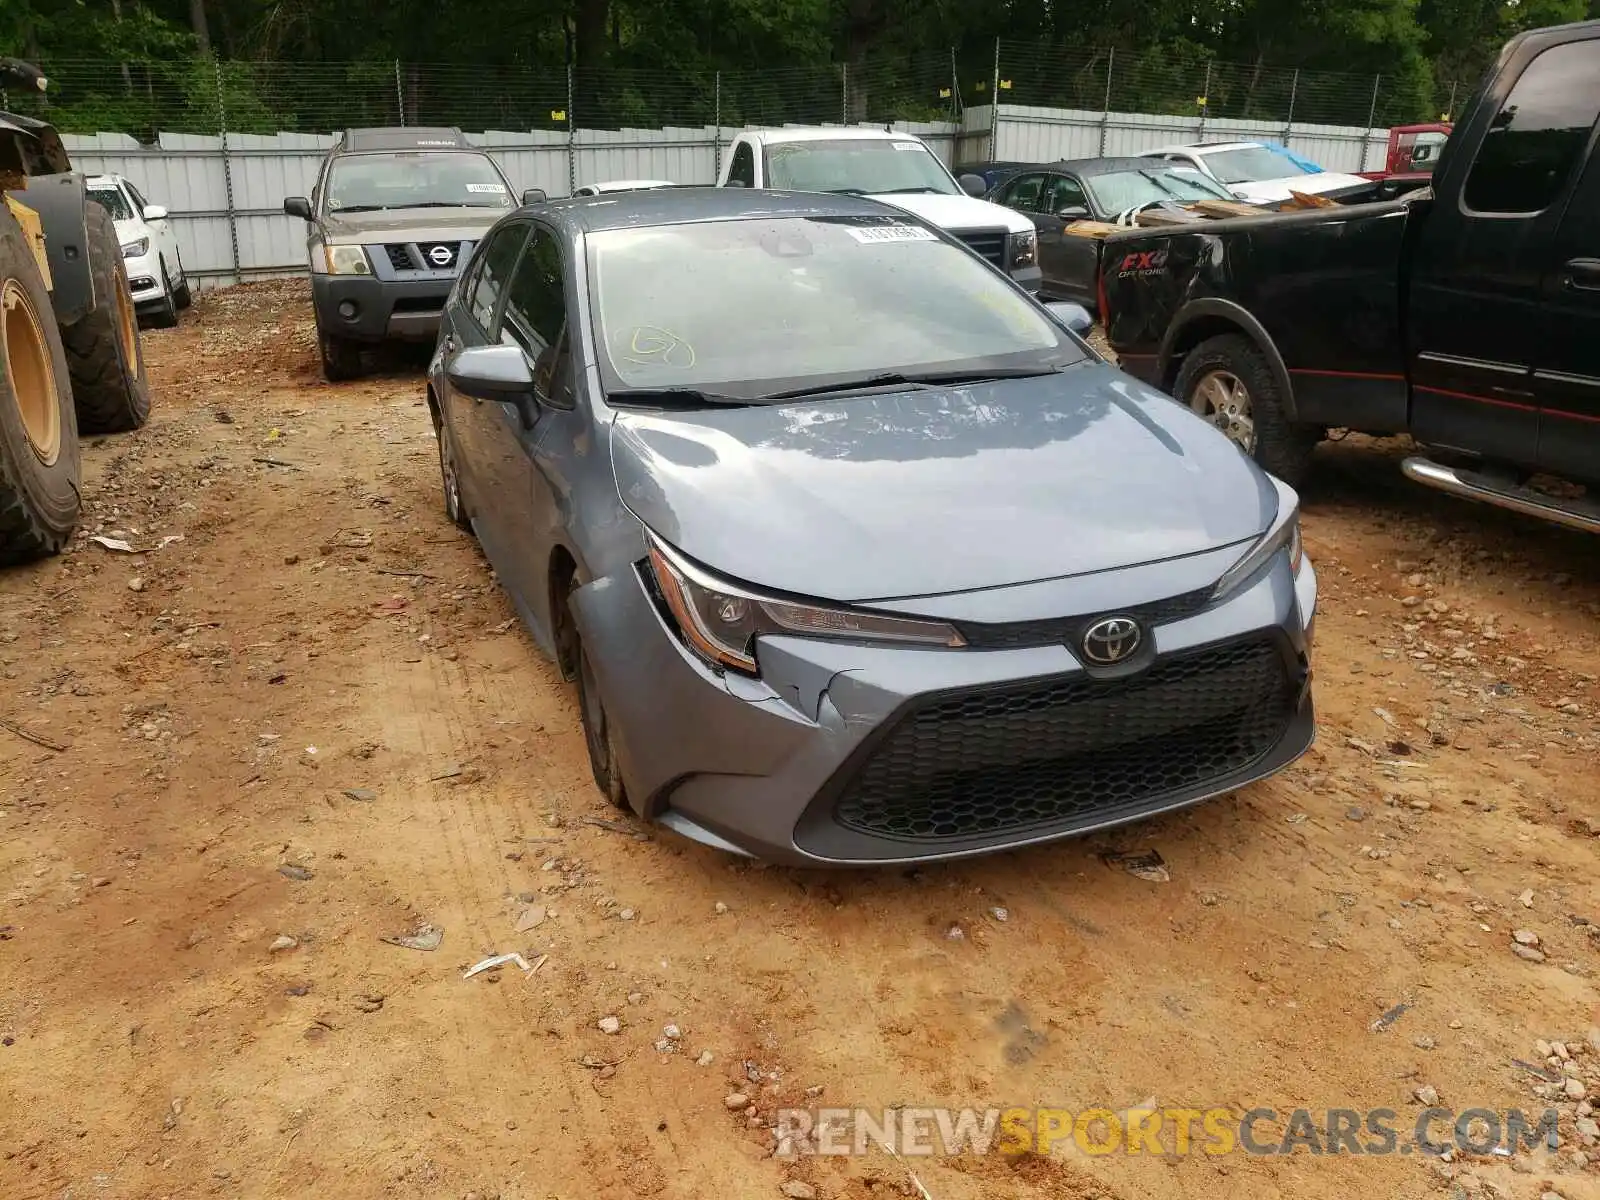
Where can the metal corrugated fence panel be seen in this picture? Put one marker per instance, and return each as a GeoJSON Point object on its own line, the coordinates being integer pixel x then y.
{"type": "Point", "coordinates": [186, 172]}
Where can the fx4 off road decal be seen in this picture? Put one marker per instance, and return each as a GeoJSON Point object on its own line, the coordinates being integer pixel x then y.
{"type": "Point", "coordinates": [1142, 263]}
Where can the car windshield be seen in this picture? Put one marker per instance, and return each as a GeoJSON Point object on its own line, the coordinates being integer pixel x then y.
{"type": "Point", "coordinates": [112, 200]}
{"type": "Point", "coordinates": [748, 308]}
{"type": "Point", "coordinates": [365, 182]}
{"type": "Point", "coordinates": [1120, 190]}
{"type": "Point", "coordinates": [1252, 164]}
{"type": "Point", "coordinates": [863, 166]}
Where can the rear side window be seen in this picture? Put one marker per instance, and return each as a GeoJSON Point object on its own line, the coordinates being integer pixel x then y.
{"type": "Point", "coordinates": [1538, 138]}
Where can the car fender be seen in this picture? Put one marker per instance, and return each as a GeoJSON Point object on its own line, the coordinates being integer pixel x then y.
{"type": "Point", "coordinates": [59, 201]}
{"type": "Point", "coordinates": [1211, 309]}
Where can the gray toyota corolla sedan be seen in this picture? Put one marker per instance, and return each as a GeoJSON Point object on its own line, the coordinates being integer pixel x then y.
{"type": "Point", "coordinates": [857, 554]}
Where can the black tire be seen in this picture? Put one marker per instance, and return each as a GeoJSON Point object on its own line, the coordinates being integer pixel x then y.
{"type": "Point", "coordinates": [38, 483]}
{"type": "Point", "coordinates": [450, 480]}
{"type": "Point", "coordinates": [603, 761]}
{"type": "Point", "coordinates": [341, 358]}
{"type": "Point", "coordinates": [104, 354]}
{"type": "Point", "coordinates": [166, 317]}
{"type": "Point", "coordinates": [183, 295]}
{"type": "Point", "coordinates": [1281, 446]}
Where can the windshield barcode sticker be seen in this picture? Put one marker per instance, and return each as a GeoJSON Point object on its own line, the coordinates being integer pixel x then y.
{"type": "Point", "coordinates": [485, 187]}
{"type": "Point", "coordinates": [892, 233]}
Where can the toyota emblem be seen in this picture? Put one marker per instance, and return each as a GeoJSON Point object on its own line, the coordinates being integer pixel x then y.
{"type": "Point", "coordinates": [441, 256]}
{"type": "Point", "coordinates": [1111, 640]}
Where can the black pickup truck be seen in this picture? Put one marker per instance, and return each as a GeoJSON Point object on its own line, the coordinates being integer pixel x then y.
{"type": "Point", "coordinates": [1467, 315]}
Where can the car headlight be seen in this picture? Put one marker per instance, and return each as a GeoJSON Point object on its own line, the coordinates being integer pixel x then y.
{"type": "Point", "coordinates": [1284, 534]}
{"type": "Point", "coordinates": [136, 249]}
{"type": "Point", "coordinates": [1024, 248]}
{"type": "Point", "coordinates": [721, 621]}
{"type": "Point", "coordinates": [347, 260]}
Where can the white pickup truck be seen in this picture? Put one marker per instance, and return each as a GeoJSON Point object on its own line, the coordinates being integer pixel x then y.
{"type": "Point", "coordinates": [896, 168]}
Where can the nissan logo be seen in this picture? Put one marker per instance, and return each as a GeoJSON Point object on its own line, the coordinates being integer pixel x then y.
{"type": "Point", "coordinates": [1111, 640]}
{"type": "Point", "coordinates": [441, 256]}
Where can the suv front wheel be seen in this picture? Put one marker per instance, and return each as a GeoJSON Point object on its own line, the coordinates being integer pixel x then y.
{"type": "Point", "coordinates": [341, 357]}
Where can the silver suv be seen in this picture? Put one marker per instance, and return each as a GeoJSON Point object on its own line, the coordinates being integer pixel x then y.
{"type": "Point", "coordinates": [392, 216]}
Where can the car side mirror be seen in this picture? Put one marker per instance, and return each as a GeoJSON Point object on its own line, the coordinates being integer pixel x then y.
{"type": "Point", "coordinates": [155, 212]}
{"type": "Point", "coordinates": [498, 373]}
{"type": "Point", "coordinates": [1074, 316]}
{"type": "Point", "coordinates": [534, 196]}
{"type": "Point", "coordinates": [973, 185]}
{"type": "Point", "coordinates": [1073, 212]}
{"type": "Point", "coordinates": [297, 206]}
{"type": "Point", "coordinates": [735, 183]}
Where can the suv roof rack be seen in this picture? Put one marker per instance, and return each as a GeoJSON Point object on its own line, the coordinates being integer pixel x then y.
{"type": "Point", "coordinates": [411, 137]}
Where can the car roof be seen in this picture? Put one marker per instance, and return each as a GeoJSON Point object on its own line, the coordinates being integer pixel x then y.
{"type": "Point", "coordinates": [1204, 148]}
{"type": "Point", "coordinates": [413, 137]}
{"type": "Point", "coordinates": [828, 134]}
{"type": "Point", "coordinates": [628, 185]}
{"type": "Point", "coordinates": [1103, 166]}
{"type": "Point", "coordinates": [107, 178]}
{"type": "Point", "coordinates": [683, 205]}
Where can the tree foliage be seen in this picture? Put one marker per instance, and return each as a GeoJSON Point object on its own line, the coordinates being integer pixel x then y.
{"type": "Point", "coordinates": [137, 65]}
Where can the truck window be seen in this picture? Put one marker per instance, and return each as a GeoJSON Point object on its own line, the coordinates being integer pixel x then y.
{"type": "Point", "coordinates": [743, 168]}
{"type": "Point", "coordinates": [1023, 193]}
{"type": "Point", "coordinates": [1538, 137]}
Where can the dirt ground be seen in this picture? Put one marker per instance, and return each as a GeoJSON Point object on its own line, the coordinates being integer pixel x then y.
{"type": "Point", "coordinates": [312, 717]}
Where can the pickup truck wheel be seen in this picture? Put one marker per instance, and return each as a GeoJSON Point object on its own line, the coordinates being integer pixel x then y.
{"type": "Point", "coordinates": [1227, 381]}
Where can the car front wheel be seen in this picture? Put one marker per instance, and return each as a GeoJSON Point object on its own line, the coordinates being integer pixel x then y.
{"type": "Point", "coordinates": [597, 732]}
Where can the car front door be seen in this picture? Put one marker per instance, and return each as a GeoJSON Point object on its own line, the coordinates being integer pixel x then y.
{"type": "Point", "coordinates": [1068, 263]}
{"type": "Point", "coordinates": [535, 319]}
{"type": "Point", "coordinates": [1566, 361]}
{"type": "Point", "coordinates": [1485, 274]}
{"type": "Point", "coordinates": [488, 435]}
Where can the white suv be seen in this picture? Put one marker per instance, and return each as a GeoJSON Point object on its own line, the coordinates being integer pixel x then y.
{"type": "Point", "coordinates": [149, 248]}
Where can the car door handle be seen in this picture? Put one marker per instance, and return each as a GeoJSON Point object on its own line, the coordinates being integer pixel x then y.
{"type": "Point", "coordinates": [1582, 275]}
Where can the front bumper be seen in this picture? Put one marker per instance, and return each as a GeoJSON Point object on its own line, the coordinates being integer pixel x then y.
{"type": "Point", "coordinates": [859, 755]}
{"type": "Point", "coordinates": [144, 280]}
{"type": "Point", "coordinates": [366, 309]}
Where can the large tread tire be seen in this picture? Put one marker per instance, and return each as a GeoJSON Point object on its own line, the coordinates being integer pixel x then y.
{"type": "Point", "coordinates": [107, 364]}
{"type": "Point", "coordinates": [39, 499]}
{"type": "Point", "coordinates": [1282, 447]}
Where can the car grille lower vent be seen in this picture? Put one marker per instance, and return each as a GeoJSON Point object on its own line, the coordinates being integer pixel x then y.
{"type": "Point", "coordinates": [1075, 751]}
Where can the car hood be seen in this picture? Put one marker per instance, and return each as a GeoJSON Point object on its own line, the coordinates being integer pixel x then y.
{"type": "Point", "coordinates": [957, 213]}
{"type": "Point", "coordinates": [130, 230]}
{"type": "Point", "coordinates": [410, 225]}
{"type": "Point", "coordinates": [943, 490]}
{"type": "Point", "coordinates": [1311, 185]}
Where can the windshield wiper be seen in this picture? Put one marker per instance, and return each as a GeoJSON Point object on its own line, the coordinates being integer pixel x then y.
{"type": "Point", "coordinates": [845, 191]}
{"type": "Point", "coordinates": [350, 208]}
{"type": "Point", "coordinates": [673, 397]}
{"type": "Point", "coordinates": [915, 379]}
{"type": "Point", "coordinates": [905, 191]}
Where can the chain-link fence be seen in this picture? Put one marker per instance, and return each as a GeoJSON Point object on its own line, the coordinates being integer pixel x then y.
{"type": "Point", "coordinates": [205, 97]}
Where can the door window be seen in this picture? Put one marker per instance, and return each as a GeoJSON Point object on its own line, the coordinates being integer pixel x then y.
{"type": "Point", "coordinates": [1022, 193]}
{"type": "Point", "coordinates": [491, 268]}
{"type": "Point", "coordinates": [743, 168]}
{"type": "Point", "coordinates": [1061, 192]}
{"type": "Point", "coordinates": [1538, 137]}
{"type": "Point", "coordinates": [535, 317]}
{"type": "Point", "coordinates": [139, 202]}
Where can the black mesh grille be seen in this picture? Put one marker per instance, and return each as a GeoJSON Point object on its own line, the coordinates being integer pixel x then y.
{"type": "Point", "coordinates": [991, 243]}
{"type": "Point", "coordinates": [400, 257]}
{"type": "Point", "coordinates": [1068, 631]}
{"type": "Point", "coordinates": [1068, 751]}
